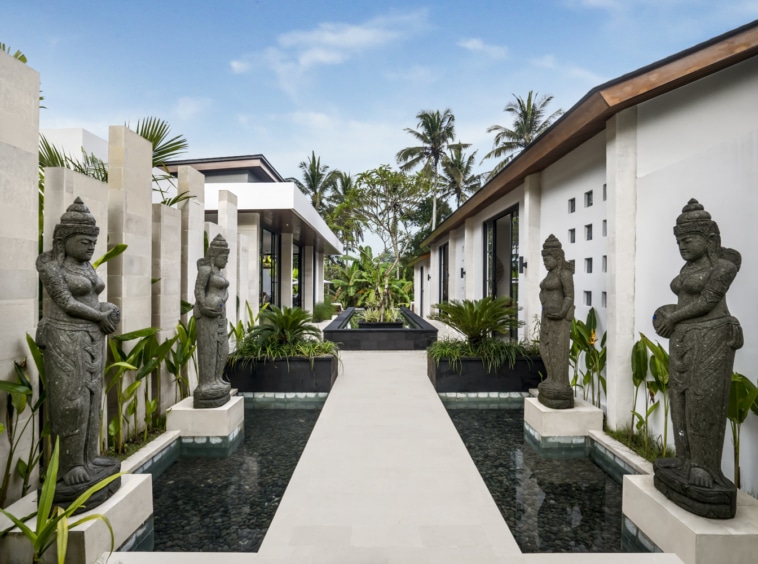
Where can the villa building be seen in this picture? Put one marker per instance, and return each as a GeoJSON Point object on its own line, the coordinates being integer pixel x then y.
{"type": "Point", "coordinates": [609, 179]}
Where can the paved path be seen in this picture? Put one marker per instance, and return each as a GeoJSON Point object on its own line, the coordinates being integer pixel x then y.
{"type": "Point", "coordinates": [386, 477]}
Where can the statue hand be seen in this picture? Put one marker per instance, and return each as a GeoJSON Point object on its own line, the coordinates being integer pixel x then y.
{"type": "Point", "coordinates": [207, 312]}
{"type": "Point", "coordinates": [665, 327]}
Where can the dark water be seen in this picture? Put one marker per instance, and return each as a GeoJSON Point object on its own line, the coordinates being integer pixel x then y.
{"type": "Point", "coordinates": [549, 505]}
{"type": "Point", "coordinates": [227, 505]}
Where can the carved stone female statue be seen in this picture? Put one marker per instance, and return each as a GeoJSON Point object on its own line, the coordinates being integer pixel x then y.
{"type": "Point", "coordinates": [210, 315]}
{"type": "Point", "coordinates": [557, 298]}
{"type": "Point", "coordinates": [703, 339]}
{"type": "Point", "coordinates": [72, 335]}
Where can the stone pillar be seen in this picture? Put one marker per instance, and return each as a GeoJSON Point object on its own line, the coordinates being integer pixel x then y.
{"type": "Point", "coordinates": [249, 225]}
{"type": "Point", "coordinates": [434, 282]}
{"type": "Point", "coordinates": [307, 291]}
{"type": "Point", "coordinates": [227, 221]}
{"type": "Point", "coordinates": [130, 220]}
{"type": "Point", "coordinates": [167, 259]}
{"type": "Point", "coordinates": [286, 270]}
{"type": "Point", "coordinates": [531, 248]}
{"type": "Point", "coordinates": [243, 277]}
{"type": "Point", "coordinates": [19, 230]}
{"type": "Point", "coordinates": [318, 296]}
{"type": "Point", "coordinates": [193, 225]}
{"type": "Point", "coordinates": [473, 263]}
{"type": "Point", "coordinates": [621, 171]}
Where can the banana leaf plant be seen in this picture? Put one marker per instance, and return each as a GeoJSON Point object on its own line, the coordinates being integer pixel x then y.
{"type": "Point", "coordinates": [743, 398]}
{"type": "Point", "coordinates": [659, 369]}
{"type": "Point", "coordinates": [180, 355]}
{"type": "Point", "coordinates": [640, 364]}
{"type": "Point", "coordinates": [52, 525]}
{"type": "Point", "coordinates": [584, 336]}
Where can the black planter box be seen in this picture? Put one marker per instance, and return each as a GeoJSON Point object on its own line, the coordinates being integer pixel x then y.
{"type": "Point", "coordinates": [471, 376]}
{"type": "Point", "coordinates": [286, 375]}
{"type": "Point", "coordinates": [415, 338]}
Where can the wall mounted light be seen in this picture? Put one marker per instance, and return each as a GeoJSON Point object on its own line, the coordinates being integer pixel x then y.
{"type": "Point", "coordinates": [428, 277]}
{"type": "Point", "coordinates": [463, 272]}
{"type": "Point", "coordinates": [521, 265]}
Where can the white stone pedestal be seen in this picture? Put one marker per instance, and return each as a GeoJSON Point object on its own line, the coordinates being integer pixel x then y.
{"type": "Point", "coordinates": [696, 540]}
{"type": "Point", "coordinates": [560, 429]}
{"type": "Point", "coordinates": [129, 511]}
{"type": "Point", "coordinates": [214, 432]}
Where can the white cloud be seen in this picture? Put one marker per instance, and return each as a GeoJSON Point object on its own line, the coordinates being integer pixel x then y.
{"type": "Point", "coordinates": [478, 46]}
{"type": "Point", "coordinates": [568, 70]}
{"type": "Point", "coordinates": [187, 108]}
{"type": "Point", "coordinates": [329, 43]}
{"type": "Point", "coordinates": [416, 74]}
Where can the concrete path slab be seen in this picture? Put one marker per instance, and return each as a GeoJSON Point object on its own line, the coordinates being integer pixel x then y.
{"type": "Point", "coordinates": [385, 476]}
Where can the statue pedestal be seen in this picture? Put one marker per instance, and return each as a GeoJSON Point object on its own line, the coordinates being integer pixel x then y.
{"type": "Point", "coordinates": [210, 433]}
{"type": "Point", "coordinates": [129, 510]}
{"type": "Point", "coordinates": [560, 432]}
{"type": "Point", "coordinates": [652, 519]}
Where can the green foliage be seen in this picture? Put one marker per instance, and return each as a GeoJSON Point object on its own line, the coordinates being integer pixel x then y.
{"type": "Point", "coordinates": [20, 396]}
{"type": "Point", "coordinates": [478, 320]}
{"type": "Point", "coordinates": [317, 181]}
{"type": "Point", "coordinates": [165, 148]}
{"type": "Point", "coordinates": [648, 357]}
{"type": "Point", "coordinates": [376, 316]}
{"type": "Point", "coordinates": [583, 341]}
{"type": "Point", "coordinates": [113, 252]}
{"type": "Point", "coordinates": [494, 353]}
{"type": "Point", "coordinates": [743, 398]}
{"type": "Point", "coordinates": [282, 332]}
{"type": "Point", "coordinates": [181, 353]}
{"type": "Point", "coordinates": [52, 523]}
{"type": "Point", "coordinates": [322, 311]}
{"type": "Point", "coordinates": [647, 446]}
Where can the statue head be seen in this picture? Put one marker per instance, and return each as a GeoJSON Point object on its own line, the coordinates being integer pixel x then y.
{"type": "Point", "coordinates": [694, 224]}
{"type": "Point", "coordinates": [76, 220]}
{"type": "Point", "coordinates": [218, 251]}
{"type": "Point", "coordinates": [552, 253]}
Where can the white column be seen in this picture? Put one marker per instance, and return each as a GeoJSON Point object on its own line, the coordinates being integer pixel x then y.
{"type": "Point", "coordinates": [249, 225]}
{"type": "Point", "coordinates": [193, 226]}
{"type": "Point", "coordinates": [530, 246]}
{"type": "Point", "coordinates": [319, 274]}
{"type": "Point", "coordinates": [286, 270]}
{"type": "Point", "coordinates": [243, 276]}
{"type": "Point", "coordinates": [19, 231]}
{"type": "Point", "coordinates": [621, 173]}
{"type": "Point", "coordinates": [306, 265]}
{"type": "Point", "coordinates": [227, 221]}
{"type": "Point", "coordinates": [473, 261]}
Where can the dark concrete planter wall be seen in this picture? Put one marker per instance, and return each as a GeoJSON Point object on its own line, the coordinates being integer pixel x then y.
{"type": "Point", "coordinates": [292, 375]}
{"type": "Point", "coordinates": [472, 376]}
{"type": "Point", "coordinates": [416, 338]}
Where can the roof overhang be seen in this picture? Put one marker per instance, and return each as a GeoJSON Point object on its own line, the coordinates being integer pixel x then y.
{"type": "Point", "coordinates": [588, 117]}
{"type": "Point", "coordinates": [283, 208]}
{"type": "Point", "coordinates": [256, 163]}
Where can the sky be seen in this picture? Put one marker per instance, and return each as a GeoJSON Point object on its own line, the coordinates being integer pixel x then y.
{"type": "Point", "coordinates": [343, 79]}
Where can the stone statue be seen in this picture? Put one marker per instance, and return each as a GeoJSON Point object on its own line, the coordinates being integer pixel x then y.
{"type": "Point", "coordinates": [72, 335]}
{"type": "Point", "coordinates": [210, 315]}
{"type": "Point", "coordinates": [703, 337]}
{"type": "Point", "coordinates": [557, 298]}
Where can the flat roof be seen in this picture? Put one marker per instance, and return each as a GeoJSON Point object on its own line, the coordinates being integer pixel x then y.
{"type": "Point", "coordinates": [257, 163]}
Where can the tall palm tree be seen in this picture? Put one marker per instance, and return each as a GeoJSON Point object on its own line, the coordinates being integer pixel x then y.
{"type": "Point", "coordinates": [434, 132]}
{"type": "Point", "coordinates": [341, 204]}
{"type": "Point", "coordinates": [317, 181]}
{"type": "Point", "coordinates": [530, 120]}
{"type": "Point", "coordinates": [458, 179]}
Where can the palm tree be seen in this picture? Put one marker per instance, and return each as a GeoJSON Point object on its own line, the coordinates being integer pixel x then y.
{"type": "Point", "coordinates": [434, 132]}
{"type": "Point", "coordinates": [458, 179]}
{"type": "Point", "coordinates": [340, 216]}
{"type": "Point", "coordinates": [317, 181]}
{"type": "Point", "coordinates": [530, 120]}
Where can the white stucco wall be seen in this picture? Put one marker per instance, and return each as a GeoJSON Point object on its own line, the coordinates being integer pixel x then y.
{"type": "Point", "coordinates": [701, 141]}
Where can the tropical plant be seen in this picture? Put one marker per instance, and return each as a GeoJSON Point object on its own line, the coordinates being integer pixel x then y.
{"type": "Point", "coordinates": [282, 333]}
{"type": "Point", "coordinates": [435, 133]}
{"type": "Point", "coordinates": [494, 353]}
{"type": "Point", "coordinates": [317, 182]}
{"type": "Point", "coordinates": [584, 336]}
{"type": "Point", "coordinates": [659, 369]}
{"type": "Point", "coordinates": [479, 320]}
{"type": "Point", "coordinates": [341, 205]}
{"type": "Point", "coordinates": [21, 396]}
{"type": "Point", "coordinates": [180, 355]}
{"type": "Point", "coordinates": [640, 363]}
{"type": "Point", "coordinates": [743, 398]}
{"type": "Point", "coordinates": [530, 120]}
{"type": "Point", "coordinates": [458, 179]}
{"type": "Point", "coordinates": [52, 523]}
{"type": "Point", "coordinates": [322, 311]}
{"type": "Point", "coordinates": [18, 55]}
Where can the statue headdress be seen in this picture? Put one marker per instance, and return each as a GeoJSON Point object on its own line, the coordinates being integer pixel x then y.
{"type": "Point", "coordinates": [553, 246]}
{"type": "Point", "coordinates": [695, 220]}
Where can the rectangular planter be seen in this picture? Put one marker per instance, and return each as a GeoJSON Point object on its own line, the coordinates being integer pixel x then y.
{"type": "Point", "coordinates": [286, 375]}
{"type": "Point", "coordinates": [415, 338]}
{"type": "Point", "coordinates": [472, 376]}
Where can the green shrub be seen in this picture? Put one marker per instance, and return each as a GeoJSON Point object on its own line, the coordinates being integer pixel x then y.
{"type": "Point", "coordinates": [479, 320]}
{"type": "Point", "coordinates": [322, 311]}
{"type": "Point", "coordinates": [495, 353]}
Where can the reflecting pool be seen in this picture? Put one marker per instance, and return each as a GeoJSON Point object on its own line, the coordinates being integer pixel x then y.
{"type": "Point", "coordinates": [227, 505]}
{"type": "Point", "coordinates": [550, 505]}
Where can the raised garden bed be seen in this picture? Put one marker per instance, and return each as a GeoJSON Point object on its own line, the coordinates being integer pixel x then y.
{"type": "Point", "coordinates": [471, 375]}
{"type": "Point", "coordinates": [286, 375]}
{"type": "Point", "coordinates": [416, 337]}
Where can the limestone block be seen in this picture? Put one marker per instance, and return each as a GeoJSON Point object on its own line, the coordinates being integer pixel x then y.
{"type": "Point", "coordinates": [19, 104]}
{"type": "Point", "coordinates": [193, 219]}
{"type": "Point", "coordinates": [575, 422]}
{"type": "Point", "coordinates": [694, 539]}
{"type": "Point", "coordinates": [212, 422]}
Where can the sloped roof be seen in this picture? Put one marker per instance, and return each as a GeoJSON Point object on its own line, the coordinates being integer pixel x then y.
{"type": "Point", "coordinates": [588, 117]}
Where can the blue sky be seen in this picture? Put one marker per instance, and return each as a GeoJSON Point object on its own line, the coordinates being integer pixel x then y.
{"type": "Point", "coordinates": [341, 78]}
